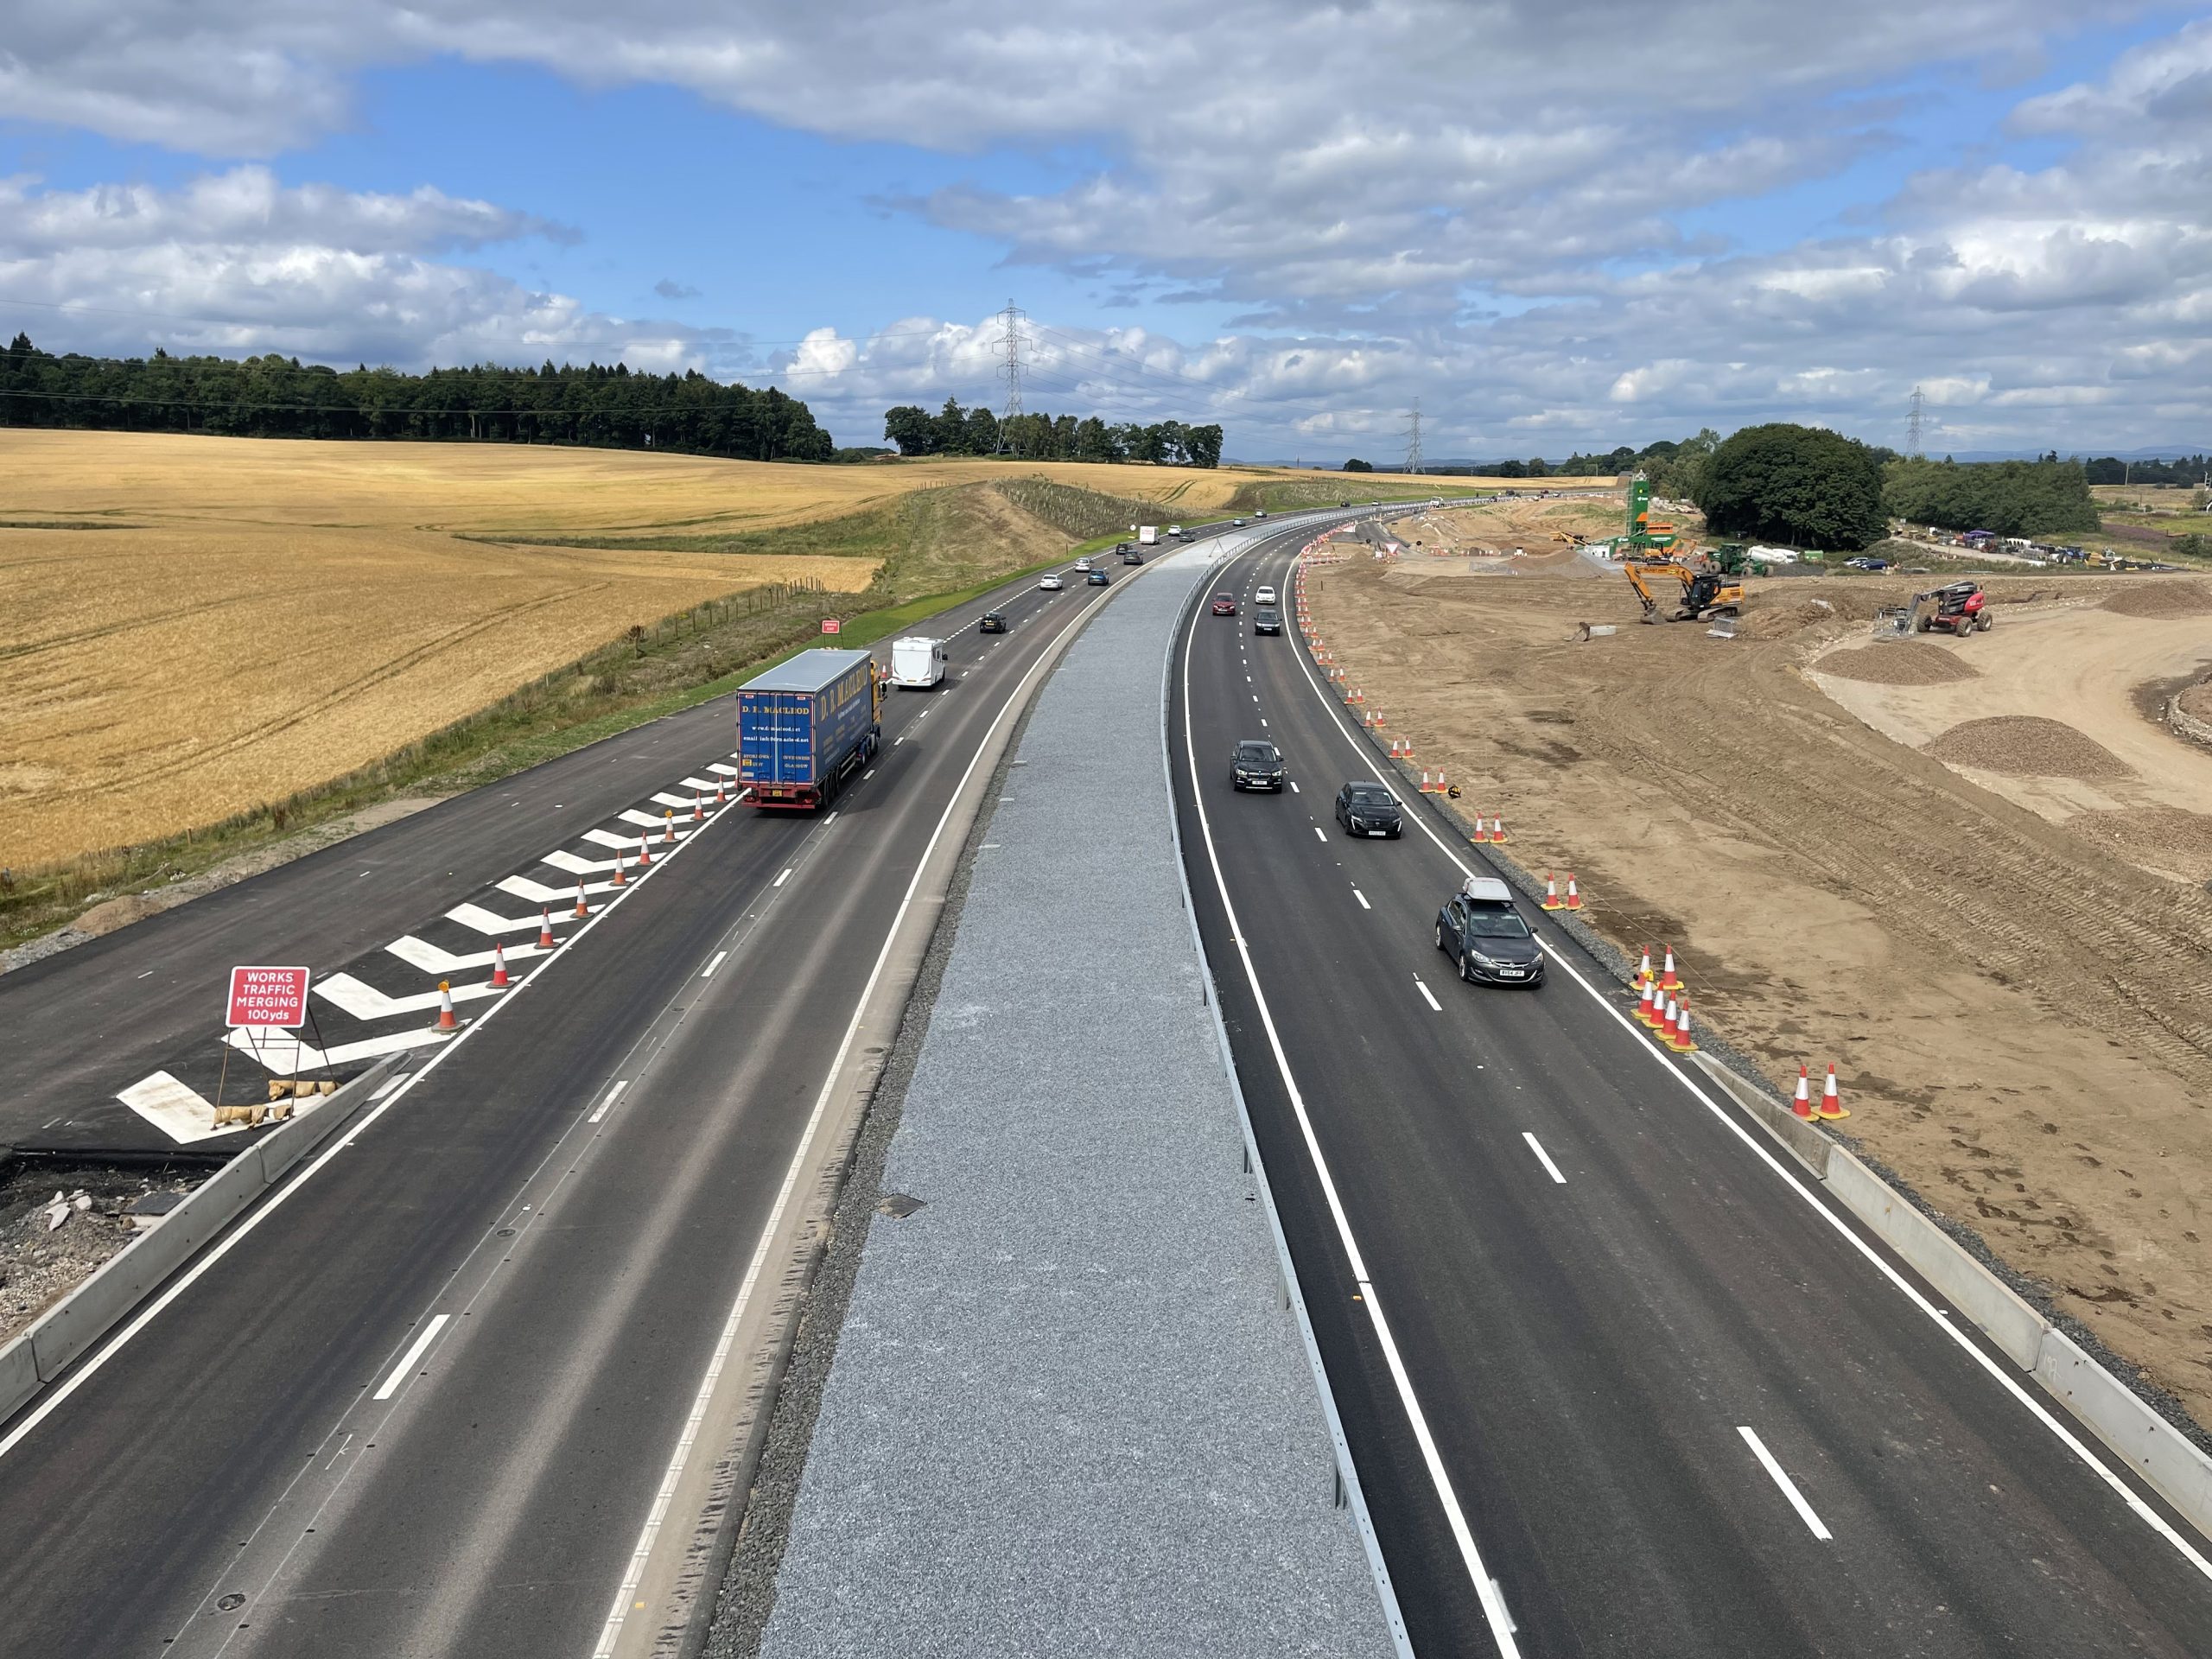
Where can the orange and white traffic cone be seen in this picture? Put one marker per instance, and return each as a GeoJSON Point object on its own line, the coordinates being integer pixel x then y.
{"type": "Point", "coordinates": [1801, 1107]}
{"type": "Point", "coordinates": [667, 825]}
{"type": "Point", "coordinates": [1681, 1042]}
{"type": "Point", "coordinates": [1643, 1006]}
{"type": "Point", "coordinates": [719, 784]}
{"type": "Point", "coordinates": [498, 966]}
{"type": "Point", "coordinates": [1669, 980]}
{"type": "Point", "coordinates": [445, 1021]}
{"type": "Point", "coordinates": [1551, 892]}
{"type": "Point", "coordinates": [1439, 789]}
{"type": "Point", "coordinates": [694, 806]}
{"type": "Point", "coordinates": [1497, 831]}
{"type": "Point", "coordinates": [1644, 968]}
{"type": "Point", "coordinates": [545, 928]}
{"type": "Point", "coordinates": [1831, 1106]}
{"type": "Point", "coordinates": [1479, 834]}
{"type": "Point", "coordinates": [1573, 895]}
{"type": "Point", "coordinates": [581, 909]}
{"type": "Point", "coordinates": [644, 852]}
{"type": "Point", "coordinates": [619, 859]}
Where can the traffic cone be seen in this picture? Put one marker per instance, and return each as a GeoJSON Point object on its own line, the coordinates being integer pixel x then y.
{"type": "Point", "coordinates": [445, 1021]}
{"type": "Point", "coordinates": [498, 966]}
{"type": "Point", "coordinates": [667, 825]}
{"type": "Point", "coordinates": [581, 909]}
{"type": "Point", "coordinates": [619, 879]}
{"type": "Point", "coordinates": [1498, 830]}
{"type": "Point", "coordinates": [545, 930]}
{"type": "Point", "coordinates": [1681, 1042]}
{"type": "Point", "coordinates": [644, 852]}
{"type": "Point", "coordinates": [1644, 968]}
{"type": "Point", "coordinates": [694, 806]}
{"type": "Point", "coordinates": [720, 799]}
{"type": "Point", "coordinates": [1669, 981]}
{"type": "Point", "coordinates": [1664, 1002]}
{"type": "Point", "coordinates": [1573, 897]}
{"type": "Point", "coordinates": [1801, 1107]}
{"type": "Point", "coordinates": [1480, 834]}
{"type": "Point", "coordinates": [1551, 892]}
{"type": "Point", "coordinates": [1831, 1106]}
{"type": "Point", "coordinates": [1643, 1004]}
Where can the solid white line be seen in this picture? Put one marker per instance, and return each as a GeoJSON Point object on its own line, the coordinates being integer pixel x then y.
{"type": "Point", "coordinates": [1543, 1157]}
{"type": "Point", "coordinates": [707, 972]}
{"type": "Point", "coordinates": [1730, 1120]}
{"type": "Point", "coordinates": [1362, 897]}
{"type": "Point", "coordinates": [414, 1352]}
{"type": "Point", "coordinates": [1789, 1486]}
{"type": "Point", "coordinates": [1486, 1590]}
{"type": "Point", "coordinates": [780, 879]}
{"type": "Point", "coordinates": [659, 1513]}
{"type": "Point", "coordinates": [1426, 995]}
{"type": "Point", "coordinates": [613, 1094]}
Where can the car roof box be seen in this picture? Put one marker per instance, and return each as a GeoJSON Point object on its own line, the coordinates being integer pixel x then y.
{"type": "Point", "coordinates": [1488, 889]}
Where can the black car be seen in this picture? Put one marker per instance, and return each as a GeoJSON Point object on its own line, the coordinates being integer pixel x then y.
{"type": "Point", "coordinates": [993, 622]}
{"type": "Point", "coordinates": [1132, 555]}
{"type": "Point", "coordinates": [1095, 577]}
{"type": "Point", "coordinates": [1479, 929]}
{"type": "Point", "coordinates": [1267, 619]}
{"type": "Point", "coordinates": [1367, 808]}
{"type": "Point", "coordinates": [1257, 765]}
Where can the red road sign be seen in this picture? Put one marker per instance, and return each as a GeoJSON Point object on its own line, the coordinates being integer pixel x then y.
{"type": "Point", "coordinates": [269, 997]}
{"type": "Point", "coordinates": [830, 625]}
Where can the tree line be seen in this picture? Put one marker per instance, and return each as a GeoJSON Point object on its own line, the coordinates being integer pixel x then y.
{"type": "Point", "coordinates": [604, 406]}
{"type": "Point", "coordinates": [957, 431]}
{"type": "Point", "coordinates": [2183, 469]}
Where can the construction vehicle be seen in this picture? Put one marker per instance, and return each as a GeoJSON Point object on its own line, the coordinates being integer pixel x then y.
{"type": "Point", "coordinates": [1705, 593]}
{"type": "Point", "coordinates": [1956, 609]}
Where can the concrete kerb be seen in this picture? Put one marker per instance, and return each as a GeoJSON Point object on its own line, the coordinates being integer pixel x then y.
{"type": "Point", "coordinates": [2139, 1421]}
{"type": "Point", "coordinates": [64, 1331]}
{"type": "Point", "coordinates": [1355, 1495]}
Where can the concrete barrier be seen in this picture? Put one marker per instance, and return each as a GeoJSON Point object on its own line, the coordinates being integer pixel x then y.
{"type": "Point", "coordinates": [2154, 1447]}
{"type": "Point", "coordinates": [2009, 1322]}
{"type": "Point", "coordinates": [1804, 1142]}
{"type": "Point", "coordinates": [64, 1331]}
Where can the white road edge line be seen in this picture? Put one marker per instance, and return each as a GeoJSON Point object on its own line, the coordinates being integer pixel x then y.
{"type": "Point", "coordinates": [1486, 1590]}
{"type": "Point", "coordinates": [1730, 1119]}
{"type": "Point", "coordinates": [613, 1094]}
{"type": "Point", "coordinates": [707, 972]}
{"type": "Point", "coordinates": [1426, 995]}
{"type": "Point", "coordinates": [780, 879]}
{"type": "Point", "coordinates": [276, 1199]}
{"type": "Point", "coordinates": [1789, 1486]}
{"type": "Point", "coordinates": [649, 1534]}
{"type": "Point", "coordinates": [414, 1352]}
{"type": "Point", "coordinates": [1545, 1159]}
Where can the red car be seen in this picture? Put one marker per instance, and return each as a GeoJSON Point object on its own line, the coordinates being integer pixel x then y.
{"type": "Point", "coordinates": [1224, 604]}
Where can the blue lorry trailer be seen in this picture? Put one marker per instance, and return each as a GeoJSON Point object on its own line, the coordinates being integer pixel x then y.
{"type": "Point", "coordinates": [806, 726]}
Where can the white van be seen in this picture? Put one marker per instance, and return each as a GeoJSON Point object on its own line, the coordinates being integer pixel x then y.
{"type": "Point", "coordinates": [918, 662]}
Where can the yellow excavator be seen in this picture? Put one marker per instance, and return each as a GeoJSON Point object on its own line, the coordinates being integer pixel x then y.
{"type": "Point", "coordinates": [1705, 593]}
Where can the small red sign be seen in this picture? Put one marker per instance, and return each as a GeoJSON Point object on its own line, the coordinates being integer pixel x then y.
{"type": "Point", "coordinates": [830, 625]}
{"type": "Point", "coordinates": [269, 997]}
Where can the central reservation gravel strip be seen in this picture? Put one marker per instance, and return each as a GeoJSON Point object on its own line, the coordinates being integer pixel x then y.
{"type": "Point", "coordinates": [1069, 1412]}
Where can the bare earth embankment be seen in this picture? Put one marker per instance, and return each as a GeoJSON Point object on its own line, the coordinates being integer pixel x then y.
{"type": "Point", "coordinates": [1970, 872]}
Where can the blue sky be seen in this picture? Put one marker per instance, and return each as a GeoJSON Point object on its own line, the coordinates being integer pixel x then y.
{"type": "Point", "coordinates": [1290, 221]}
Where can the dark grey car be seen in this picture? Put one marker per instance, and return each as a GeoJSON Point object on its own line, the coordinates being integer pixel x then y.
{"type": "Point", "coordinates": [1367, 808]}
{"type": "Point", "coordinates": [1487, 937]}
{"type": "Point", "coordinates": [1257, 765]}
{"type": "Point", "coordinates": [1267, 619]}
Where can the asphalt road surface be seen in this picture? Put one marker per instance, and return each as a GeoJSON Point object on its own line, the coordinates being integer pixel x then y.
{"type": "Point", "coordinates": [1617, 1379]}
{"type": "Point", "coordinates": [423, 1406]}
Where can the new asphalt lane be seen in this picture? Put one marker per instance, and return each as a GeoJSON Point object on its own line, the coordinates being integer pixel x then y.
{"type": "Point", "coordinates": [1678, 1403]}
{"type": "Point", "coordinates": [423, 1404]}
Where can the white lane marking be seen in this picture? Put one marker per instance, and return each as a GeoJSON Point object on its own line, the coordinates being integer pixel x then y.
{"type": "Point", "coordinates": [1317, 834]}
{"type": "Point", "coordinates": [1362, 897]}
{"type": "Point", "coordinates": [659, 1513]}
{"type": "Point", "coordinates": [831, 819]}
{"type": "Point", "coordinates": [1543, 1157]}
{"type": "Point", "coordinates": [1426, 995]}
{"type": "Point", "coordinates": [388, 1085]}
{"type": "Point", "coordinates": [1789, 1486]}
{"type": "Point", "coordinates": [414, 1352]}
{"type": "Point", "coordinates": [613, 1094]}
{"type": "Point", "coordinates": [707, 972]}
{"type": "Point", "coordinates": [896, 741]}
{"type": "Point", "coordinates": [1294, 788]}
{"type": "Point", "coordinates": [1729, 1120]}
{"type": "Point", "coordinates": [780, 879]}
{"type": "Point", "coordinates": [869, 773]}
{"type": "Point", "coordinates": [1486, 1590]}
{"type": "Point", "coordinates": [1263, 723]}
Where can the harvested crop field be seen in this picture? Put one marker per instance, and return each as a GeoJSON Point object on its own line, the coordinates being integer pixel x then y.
{"type": "Point", "coordinates": [2162, 597]}
{"type": "Point", "coordinates": [2027, 746]}
{"type": "Point", "coordinates": [1908, 662]}
{"type": "Point", "coordinates": [2013, 975]}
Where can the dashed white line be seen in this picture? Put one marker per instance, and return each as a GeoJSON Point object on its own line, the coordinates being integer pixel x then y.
{"type": "Point", "coordinates": [613, 1094]}
{"type": "Point", "coordinates": [1543, 1157]}
{"type": "Point", "coordinates": [1426, 995]}
{"type": "Point", "coordinates": [416, 1349]}
{"type": "Point", "coordinates": [707, 972]}
{"type": "Point", "coordinates": [1362, 897]}
{"type": "Point", "coordinates": [1318, 834]}
{"type": "Point", "coordinates": [1294, 787]}
{"type": "Point", "coordinates": [780, 879]}
{"type": "Point", "coordinates": [831, 819]}
{"type": "Point", "coordinates": [1789, 1486]}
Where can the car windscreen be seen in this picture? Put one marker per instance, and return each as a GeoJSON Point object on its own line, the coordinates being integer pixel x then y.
{"type": "Point", "coordinates": [1224, 598]}
{"type": "Point", "coordinates": [1262, 755]}
{"type": "Point", "coordinates": [1496, 924]}
{"type": "Point", "coordinates": [1265, 614]}
{"type": "Point", "coordinates": [1372, 797]}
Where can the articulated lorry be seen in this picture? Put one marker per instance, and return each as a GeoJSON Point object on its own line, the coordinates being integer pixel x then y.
{"type": "Point", "coordinates": [806, 727]}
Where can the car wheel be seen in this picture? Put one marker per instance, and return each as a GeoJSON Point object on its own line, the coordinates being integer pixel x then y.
{"type": "Point", "coordinates": [1440, 933]}
{"type": "Point", "coordinates": [1987, 622]}
{"type": "Point", "coordinates": [1467, 969]}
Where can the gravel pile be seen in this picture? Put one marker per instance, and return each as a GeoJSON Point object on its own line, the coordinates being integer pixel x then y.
{"type": "Point", "coordinates": [1905, 662]}
{"type": "Point", "coordinates": [2197, 700]}
{"type": "Point", "coordinates": [2161, 837]}
{"type": "Point", "coordinates": [40, 1261]}
{"type": "Point", "coordinates": [2156, 598]}
{"type": "Point", "coordinates": [2028, 746]}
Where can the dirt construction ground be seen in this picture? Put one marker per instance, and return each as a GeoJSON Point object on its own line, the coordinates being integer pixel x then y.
{"type": "Point", "coordinates": [1970, 872]}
